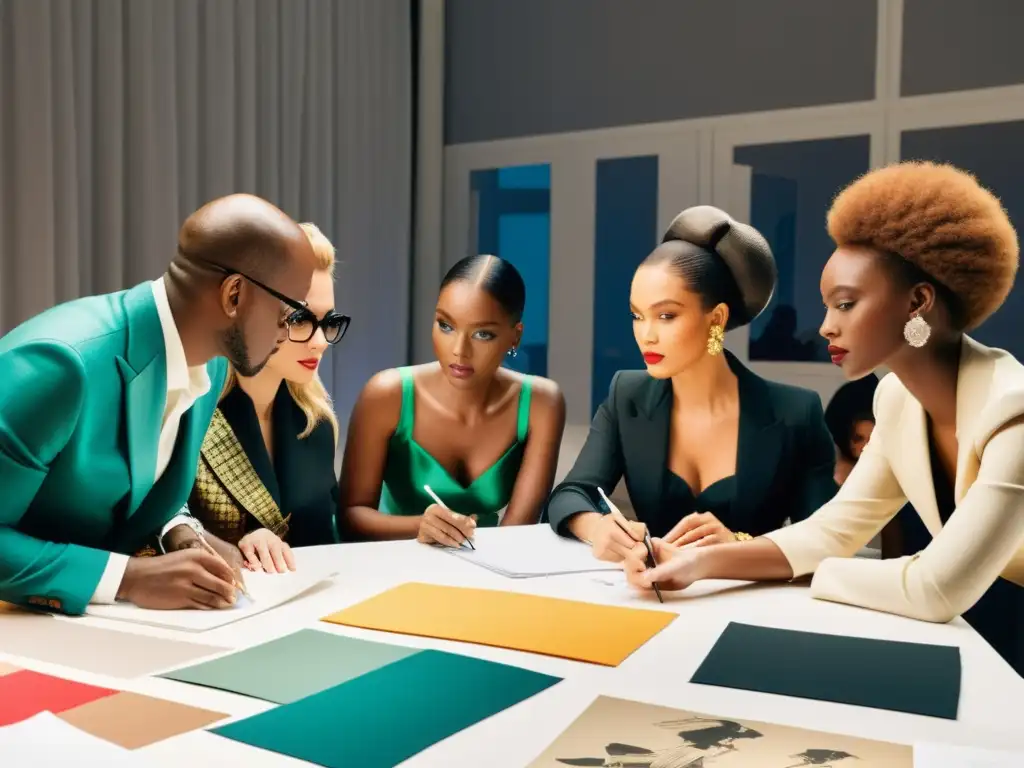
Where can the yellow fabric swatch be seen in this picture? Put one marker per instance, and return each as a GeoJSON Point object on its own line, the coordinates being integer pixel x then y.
{"type": "Point", "coordinates": [570, 629]}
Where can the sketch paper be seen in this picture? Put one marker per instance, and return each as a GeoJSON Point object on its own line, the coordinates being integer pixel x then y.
{"type": "Point", "coordinates": [951, 756]}
{"type": "Point", "coordinates": [268, 590]}
{"type": "Point", "coordinates": [292, 667]}
{"type": "Point", "coordinates": [132, 720]}
{"type": "Point", "coordinates": [600, 634]}
{"type": "Point", "coordinates": [520, 554]}
{"type": "Point", "coordinates": [384, 717]}
{"type": "Point", "coordinates": [92, 649]}
{"type": "Point", "coordinates": [620, 733]}
{"type": "Point", "coordinates": [46, 741]}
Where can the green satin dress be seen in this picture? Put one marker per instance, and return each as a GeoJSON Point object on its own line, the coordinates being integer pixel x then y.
{"type": "Point", "coordinates": [410, 467]}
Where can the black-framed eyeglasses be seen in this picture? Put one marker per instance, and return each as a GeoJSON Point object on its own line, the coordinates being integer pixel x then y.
{"type": "Point", "coordinates": [302, 325]}
{"type": "Point", "coordinates": [295, 304]}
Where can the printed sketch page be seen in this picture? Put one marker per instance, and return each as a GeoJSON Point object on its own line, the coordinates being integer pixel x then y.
{"type": "Point", "coordinates": [949, 756]}
{"type": "Point", "coordinates": [46, 741]}
{"type": "Point", "coordinates": [268, 590]}
{"type": "Point", "coordinates": [519, 554]}
{"type": "Point", "coordinates": [619, 732]}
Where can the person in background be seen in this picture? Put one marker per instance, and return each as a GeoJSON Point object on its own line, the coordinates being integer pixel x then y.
{"type": "Point", "coordinates": [265, 479]}
{"type": "Point", "coordinates": [849, 419]}
{"type": "Point", "coordinates": [924, 255]}
{"type": "Point", "coordinates": [710, 451]}
{"type": "Point", "coordinates": [482, 437]}
{"type": "Point", "coordinates": [104, 402]}
{"type": "Point", "coordinates": [851, 422]}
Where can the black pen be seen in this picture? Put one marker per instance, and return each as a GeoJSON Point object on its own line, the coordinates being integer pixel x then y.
{"type": "Point", "coordinates": [441, 504]}
{"type": "Point", "coordinates": [620, 520]}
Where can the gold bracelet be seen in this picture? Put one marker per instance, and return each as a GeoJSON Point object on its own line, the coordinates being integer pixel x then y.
{"type": "Point", "coordinates": [742, 536]}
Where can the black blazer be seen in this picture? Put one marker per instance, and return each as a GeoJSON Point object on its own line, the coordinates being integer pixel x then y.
{"type": "Point", "coordinates": [784, 466]}
{"type": "Point", "coordinates": [301, 477]}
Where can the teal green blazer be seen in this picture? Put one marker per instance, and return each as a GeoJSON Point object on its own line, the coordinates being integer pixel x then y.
{"type": "Point", "coordinates": [82, 394]}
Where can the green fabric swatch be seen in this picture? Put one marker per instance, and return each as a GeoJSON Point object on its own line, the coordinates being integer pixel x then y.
{"type": "Point", "coordinates": [292, 667]}
{"type": "Point", "coordinates": [903, 677]}
{"type": "Point", "coordinates": [391, 714]}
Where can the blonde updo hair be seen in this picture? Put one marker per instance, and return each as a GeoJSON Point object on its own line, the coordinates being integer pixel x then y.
{"type": "Point", "coordinates": [942, 222]}
{"type": "Point", "coordinates": [312, 398]}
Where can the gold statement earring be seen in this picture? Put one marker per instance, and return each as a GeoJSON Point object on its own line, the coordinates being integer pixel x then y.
{"type": "Point", "coordinates": [916, 331]}
{"type": "Point", "coordinates": [715, 336]}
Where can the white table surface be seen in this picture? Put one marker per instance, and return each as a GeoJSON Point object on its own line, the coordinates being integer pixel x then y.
{"type": "Point", "coordinates": [658, 673]}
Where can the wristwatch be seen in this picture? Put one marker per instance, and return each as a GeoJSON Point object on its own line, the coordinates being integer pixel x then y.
{"type": "Point", "coordinates": [182, 518]}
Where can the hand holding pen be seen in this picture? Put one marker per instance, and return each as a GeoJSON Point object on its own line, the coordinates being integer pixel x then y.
{"type": "Point", "coordinates": [631, 529]}
{"type": "Point", "coordinates": [440, 525]}
{"type": "Point", "coordinates": [239, 581]}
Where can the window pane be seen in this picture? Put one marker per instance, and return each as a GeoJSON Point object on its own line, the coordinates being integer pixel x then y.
{"type": "Point", "coordinates": [626, 221]}
{"type": "Point", "coordinates": [792, 187]}
{"type": "Point", "coordinates": [992, 153]}
{"type": "Point", "coordinates": [513, 220]}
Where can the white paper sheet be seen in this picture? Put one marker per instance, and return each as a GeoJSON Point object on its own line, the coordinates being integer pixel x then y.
{"type": "Point", "coordinates": [518, 554]}
{"type": "Point", "coordinates": [928, 755]}
{"type": "Point", "coordinates": [46, 741]}
{"type": "Point", "coordinates": [268, 590]}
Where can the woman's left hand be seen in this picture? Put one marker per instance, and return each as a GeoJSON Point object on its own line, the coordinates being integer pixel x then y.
{"type": "Point", "coordinates": [699, 529]}
{"type": "Point", "coordinates": [265, 551]}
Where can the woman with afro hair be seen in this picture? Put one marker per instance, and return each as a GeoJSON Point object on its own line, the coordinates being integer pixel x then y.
{"type": "Point", "coordinates": [924, 255]}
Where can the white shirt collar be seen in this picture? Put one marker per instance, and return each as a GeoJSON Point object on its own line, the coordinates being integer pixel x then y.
{"type": "Point", "coordinates": [194, 381]}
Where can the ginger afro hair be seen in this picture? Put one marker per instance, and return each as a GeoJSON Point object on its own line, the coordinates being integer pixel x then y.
{"type": "Point", "coordinates": [940, 220]}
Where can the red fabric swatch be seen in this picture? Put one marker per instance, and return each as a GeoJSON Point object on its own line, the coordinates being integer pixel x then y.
{"type": "Point", "coordinates": [26, 693]}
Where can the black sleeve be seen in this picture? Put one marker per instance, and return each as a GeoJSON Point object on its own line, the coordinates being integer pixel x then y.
{"type": "Point", "coordinates": [598, 465]}
{"type": "Point", "coordinates": [816, 486]}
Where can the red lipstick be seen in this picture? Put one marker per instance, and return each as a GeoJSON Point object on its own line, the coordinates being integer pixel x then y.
{"type": "Point", "coordinates": [311, 363]}
{"type": "Point", "coordinates": [837, 353]}
{"type": "Point", "coordinates": [653, 358]}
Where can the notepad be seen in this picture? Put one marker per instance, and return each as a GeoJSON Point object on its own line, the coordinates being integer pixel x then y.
{"type": "Point", "coordinates": [520, 554]}
{"type": "Point", "coordinates": [600, 634]}
{"type": "Point", "coordinates": [268, 590]}
{"type": "Point", "coordinates": [382, 718]}
{"type": "Point", "coordinates": [920, 679]}
{"type": "Point", "coordinates": [294, 666]}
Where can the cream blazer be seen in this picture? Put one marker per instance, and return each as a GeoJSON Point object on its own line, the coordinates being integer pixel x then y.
{"type": "Point", "coordinates": [984, 537]}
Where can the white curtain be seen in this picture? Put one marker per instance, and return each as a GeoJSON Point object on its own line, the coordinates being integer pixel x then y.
{"type": "Point", "coordinates": [120, 117]}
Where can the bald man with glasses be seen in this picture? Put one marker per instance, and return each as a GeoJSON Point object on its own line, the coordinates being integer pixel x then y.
{"type": "Point", "coordinates": [104, 403]}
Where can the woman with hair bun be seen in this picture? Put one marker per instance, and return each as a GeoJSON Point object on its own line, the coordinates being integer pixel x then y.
{"type": "Point", "coordinates": [483, 438]}
{"type": "Point", "coordinates": [710, 451]}
{"type": "Point", "coordinates": [924, 255]}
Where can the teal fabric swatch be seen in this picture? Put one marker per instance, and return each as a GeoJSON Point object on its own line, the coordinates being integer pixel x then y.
{"type": "Point", "coordinates": [386, 716]}
{"type": "Point", "coordinates": [292, 667]}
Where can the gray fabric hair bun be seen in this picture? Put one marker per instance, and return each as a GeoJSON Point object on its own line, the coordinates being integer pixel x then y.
{"type": "Point", "coordinates": [743, 249]}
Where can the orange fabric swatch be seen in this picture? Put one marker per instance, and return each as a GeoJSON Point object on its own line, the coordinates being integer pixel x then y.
{"type": "Point", "coordinates": [601, 634]}
{"type": "Point", "coordinates": [132, 720]}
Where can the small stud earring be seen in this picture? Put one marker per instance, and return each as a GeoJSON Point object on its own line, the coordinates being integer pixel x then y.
{"type": "Point", "coordinates": [917, 331]}
{"type": "Point", "coordinates": [512, 352]}
{"type": "Point", "coordinates": [715, 336]}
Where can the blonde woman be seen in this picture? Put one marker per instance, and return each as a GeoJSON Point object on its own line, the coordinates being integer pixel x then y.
{"type": "Point", "coordinates": [265, 479]}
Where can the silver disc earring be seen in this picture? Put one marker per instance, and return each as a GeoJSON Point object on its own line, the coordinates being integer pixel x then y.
{"type": "Point", "coordinates": [917, 331]}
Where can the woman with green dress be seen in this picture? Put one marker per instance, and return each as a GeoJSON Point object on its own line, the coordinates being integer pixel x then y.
{"type": "Point", "coordinates": [479, 437]}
